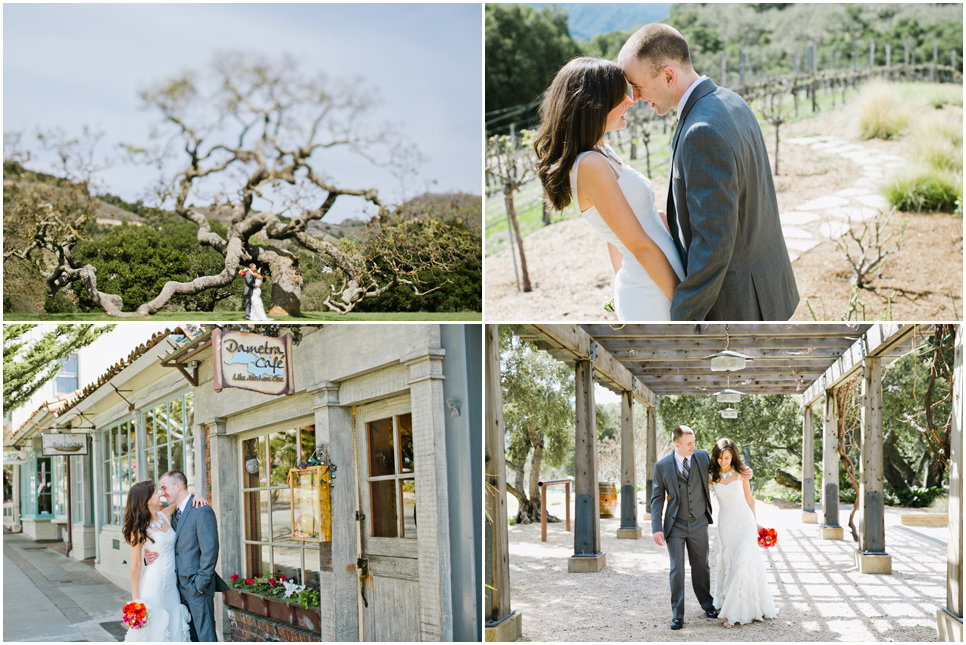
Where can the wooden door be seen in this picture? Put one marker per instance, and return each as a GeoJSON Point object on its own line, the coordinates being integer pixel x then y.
{"type": "Point", "coordinates": [388, 569]}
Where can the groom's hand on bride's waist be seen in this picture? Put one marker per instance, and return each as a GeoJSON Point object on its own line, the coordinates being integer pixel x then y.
{"type": "Point", "coordinates": [658, 538]}
{"type": "Point", "coordinates": [150, 556]}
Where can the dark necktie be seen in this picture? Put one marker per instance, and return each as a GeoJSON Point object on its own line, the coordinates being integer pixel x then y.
{"type": "Point", "coordinates": [687, 469]}
{"type": "Point", "coordinates": [177, 516]}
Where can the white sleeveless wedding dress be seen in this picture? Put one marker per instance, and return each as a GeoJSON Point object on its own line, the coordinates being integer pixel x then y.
{"type": "Point", "coordinates": [636, 297]}
{"type": "Point", "coordinates": [168, 620]}
{"type": "Point", "coordinates": [741, 591]}
{"type": "Point", "coordinates": [258, 309]}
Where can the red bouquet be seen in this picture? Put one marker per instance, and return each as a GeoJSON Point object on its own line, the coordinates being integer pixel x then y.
{"type": "Point", "coordinates": [136, 614]}
{"type": "Point", "coordinates": [767, 538]}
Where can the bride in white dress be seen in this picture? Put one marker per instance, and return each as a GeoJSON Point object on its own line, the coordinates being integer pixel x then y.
{"type": "Point", "coordinates": [258, 309]}
{"type": "Point", "coordinates": [588, 98]}
{"type": "Point", "coordinates": [741, 591]}
{"type": "Point", "coordinates": [157, 583]}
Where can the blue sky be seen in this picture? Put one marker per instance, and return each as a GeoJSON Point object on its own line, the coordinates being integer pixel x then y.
{"type": "Point", "coordinates": [69, 65]}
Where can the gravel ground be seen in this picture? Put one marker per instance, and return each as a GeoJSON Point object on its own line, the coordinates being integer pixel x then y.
{"type": "Point", "coordinates": [819, 594]}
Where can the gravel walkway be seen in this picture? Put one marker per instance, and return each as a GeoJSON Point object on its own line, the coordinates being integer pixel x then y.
{"type": "Point", "coordinates": [819, 594]}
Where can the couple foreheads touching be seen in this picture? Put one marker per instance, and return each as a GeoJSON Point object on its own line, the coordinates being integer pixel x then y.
{"type": "Point", "coordinates": [718, 252]}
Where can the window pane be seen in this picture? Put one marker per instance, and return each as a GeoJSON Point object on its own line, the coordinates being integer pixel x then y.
{"type": "Point", "coordinates": [161, 424]}
{"type": "Point", "coordinates": [406, 443]}
{"type": "Point", "coordinates": [189, 461]}
{"type": "Point", "coordinates": [177, 457]}
{"type": "Point", "coordinates": [312, 568]}
{"type": "Point", "coordinates": [189, 412]}
{"type": "Point", "coordinates": [256, 516]}
{"type": "Point", "coordinates": [308, 442]}
{"type": "Point", "coordinates": [162, 460]}
{"type": "Point", "coordinates": [381, 457]}
{"type": "Point", "coordinates": [256, 557]}
{"type": "Point", "coordinates": [288, 561]}
{"type": "Point", "coordinates": [149, 428]}
{"type": "Point", "coordinates": [149, 471]}
{"type": "Point", "coordinates": [282, 515]}
{"type": "Point", "coordinates": [121, 441]}
{"type": "Point", "coordinates": [175, 419]}
{"type": "Point", "coordinates": [409, 507]}
{"type": "Point", "coordinates": [283, 453]}
{"type": "Point", "coordinates": [131, 438]}
{"type": "Point", "coordinates": [383, 500]}
{"type": "Point", "coordinates": [255, 449]}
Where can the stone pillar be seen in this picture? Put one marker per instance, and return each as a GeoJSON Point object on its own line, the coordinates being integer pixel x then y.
{"type": "Point", "coordinates": [950, 617]}
{"type": "Point", "coordinates": [871, 556]}
{"type": "Point", "coordinates": [432, 494]}
{"type": "Point", "coordinates": [808, 468]}
{"type": "Point", "coordinates": [587, 557]}
{"type": "Point", "coordinates": [830, 529]}
{"type": "Point", "coordinates": [649, 460]}
{"type": "Point", "coordinates": [339, 581]}
{"type": "Point", "coordinates": [502, 624]}
{"type": "Point", "coordinates": [629, 528]}
{"type": "Point", "coordinates": [226, 501]}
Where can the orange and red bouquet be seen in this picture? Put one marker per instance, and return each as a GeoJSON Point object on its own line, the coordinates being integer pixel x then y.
{"type": "Point", "coordinates": [767, 538]}
{"type": "Point", "coordinates": [136, 614]}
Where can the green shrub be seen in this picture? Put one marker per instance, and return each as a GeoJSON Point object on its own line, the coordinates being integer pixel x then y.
{"type": "Point", "coordinates": [913, 497]}
{"type": "Point", "coordinates": [882, 113]}
{"type": "Point", "coordinates": [59, 304]}
{"type": "Point", "coordinates": [937, 140]}
{"type": "Point", "coordinates": [920, 188]}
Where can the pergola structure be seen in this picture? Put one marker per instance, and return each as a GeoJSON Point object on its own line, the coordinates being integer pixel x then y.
{"type": "Point", "coordinates": [643, 362]}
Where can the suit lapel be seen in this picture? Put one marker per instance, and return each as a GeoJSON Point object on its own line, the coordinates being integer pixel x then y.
{"type": "Point", "coordinates": [704, 88]}
{"type": "Point", "coordinates": [184, 517]}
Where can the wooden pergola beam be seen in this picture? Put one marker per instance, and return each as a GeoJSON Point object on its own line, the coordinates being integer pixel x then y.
{"type": "Point", "coordinates": [573, 344]}
{"type": "Point", "coordinates": [707, 330]}
{"type": "Point", "coordinates": [712, 345]}
{"type": "Point", "coordinates": [879, 341]}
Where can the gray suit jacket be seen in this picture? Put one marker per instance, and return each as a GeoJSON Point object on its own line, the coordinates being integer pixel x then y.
{"type": "Point", "coordinates": [196, 552]}
{"type": "Point", "coordinates": [665, 482]}
{"type": "Point", "coordinates": [723, 215]}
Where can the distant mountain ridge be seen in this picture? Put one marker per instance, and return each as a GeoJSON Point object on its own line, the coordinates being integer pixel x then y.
{"type": "Point", "coordinates": [587, 19]}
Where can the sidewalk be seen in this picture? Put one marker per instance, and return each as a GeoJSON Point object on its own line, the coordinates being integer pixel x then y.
{"type": "Point", "coordinates": [50, 597]}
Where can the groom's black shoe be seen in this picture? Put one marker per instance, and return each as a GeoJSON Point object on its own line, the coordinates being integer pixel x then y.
{"type": "Point", "coordinates": [677, 623]}
{"type": "Point", "coordinates": [711, 613]}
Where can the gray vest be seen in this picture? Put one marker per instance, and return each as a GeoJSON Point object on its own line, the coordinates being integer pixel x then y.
{"type": "Point", "coordinates": [691, 501]}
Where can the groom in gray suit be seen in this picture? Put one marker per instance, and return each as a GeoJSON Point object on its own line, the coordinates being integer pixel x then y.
{"type": "Point", "coordinates": [721, 207]}
{"type": "Point", "coordinates": [195, 554]}
{"type": "Point", "coordinates": [682, 479]}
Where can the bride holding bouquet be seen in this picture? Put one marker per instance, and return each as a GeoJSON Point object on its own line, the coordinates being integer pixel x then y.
{"type": "Point", "coordinates": [741, 591]}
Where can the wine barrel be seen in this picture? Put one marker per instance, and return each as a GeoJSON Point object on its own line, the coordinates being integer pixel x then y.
{"type": "Point", "coordinates": [608, 499]}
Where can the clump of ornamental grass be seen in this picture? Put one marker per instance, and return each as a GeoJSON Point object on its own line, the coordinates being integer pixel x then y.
{"type": "Point", "coordinates": [934, 179]}
{"type": "Point", "coordinates": [882, 113]}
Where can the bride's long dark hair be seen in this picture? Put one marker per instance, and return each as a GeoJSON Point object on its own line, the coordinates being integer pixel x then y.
{"type": "Point", "coordinates": [720, 447]}
{"type": "Point", "coordinates": [573, 119]}
{"type": "Point", "coordinates": [137, 515]}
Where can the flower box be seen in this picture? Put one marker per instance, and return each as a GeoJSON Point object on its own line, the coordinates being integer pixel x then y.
{"type": "Point", "coordinates": [275, 608]}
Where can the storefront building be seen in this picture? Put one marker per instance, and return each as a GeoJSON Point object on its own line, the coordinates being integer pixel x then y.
{"type": "Point", "coordinates": [396, 409]}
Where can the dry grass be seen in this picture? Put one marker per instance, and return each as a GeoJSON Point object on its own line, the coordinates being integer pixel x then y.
{"type": "Point", "coordinates": [881, 111]}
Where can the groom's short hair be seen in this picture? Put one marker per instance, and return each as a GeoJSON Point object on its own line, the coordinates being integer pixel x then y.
{"type": "Point", "coordinates": [680, 430]}
{"type": "Point", "coordinates": [655, 45]}
{"type": "Point", "coordinates": [178, 476]}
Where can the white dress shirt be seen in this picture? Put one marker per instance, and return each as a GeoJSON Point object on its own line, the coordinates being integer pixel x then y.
{"type": "Point", "coordinates": [687, 94]}
{"type": "Point", "coordinates": [680, 462]}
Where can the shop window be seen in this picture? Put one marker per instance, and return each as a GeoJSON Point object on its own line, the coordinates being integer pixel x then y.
{"type": "Point", "coordinates": [269, 546]}
{"type": "Point", "coordinates": [59, 486]}
{"type": "Point", "coordinates": [120, 469]}
{"type": "Point", "coordinates": [43, 481]}
{"type": "Point", "coordinates": [169, 439]}
{"type": "Point", "coordinates": [66, 381]}
{"type": "Point", "coordinates": [392, 486]}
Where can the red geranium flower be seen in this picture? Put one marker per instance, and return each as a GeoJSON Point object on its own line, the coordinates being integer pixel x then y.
{"type": "Point", "coordinates": [234, 578]}
{"type": "Point", "coordinates": [272, 582]}
{"type": "Point", "coordinates": [281, 577]}
{"type": "Point", "coordinates": [249, 581]}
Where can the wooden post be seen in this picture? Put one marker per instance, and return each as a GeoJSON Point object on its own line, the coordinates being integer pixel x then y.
{"type": "Point", "coordinates": [797, 62]}
{"type": "Point", "coordinates": [950, 617]}
{"type": "Point", "coordinates": [724, 71]}
{"type": "Point", "coordinates": [905, 46]}
{"type": "Point", "coordinates": [741, 67]}
{"type": "Point", "coordinates": [830, 529]}
{"type": "Point", "coordinates": [628, 529]}
{"type": "Point", "coordinates": [587, 557]}
{"type": "Point", "coordinates": [871, 556]}
{"type": "Point", "coordinates": [567, 504]}
{"type": "Point", "coordinates": [888, 60]}
{"type": "Point", "coordinates": [814, 71]}
{"type": "Point", "coordinates": [502, 624]}
{"type": "Point", "coordinates": [650, 459]}
{"type": "Point", "coordinates": [808, 468]}
{"type": "Point", "coordinates": [935, 60]}
{"type": "Point", "coordinates": [871, 53]}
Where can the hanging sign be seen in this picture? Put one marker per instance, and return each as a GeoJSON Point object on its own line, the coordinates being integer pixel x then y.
{"type": "Point", "coordinates": [253, 362]}
{"type": "Point", "coordinates": [63, 443]}
{"type": "Point", "coordinates": [14, 457]}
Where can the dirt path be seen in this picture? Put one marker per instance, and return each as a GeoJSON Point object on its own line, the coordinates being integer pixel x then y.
{"type": "Point", "coordinates": [826, 177]}
{"type": "Point", "coordinates": [819, 594]}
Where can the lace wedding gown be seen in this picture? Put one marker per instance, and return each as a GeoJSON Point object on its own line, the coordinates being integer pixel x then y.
{"type": "Point", "coordinates": [168, 620]}
{"type": "Point", "coordinates": [636, 297]}
{"type": "Point", "coordinates": [741, 592]}
{"type": "Point", "coordinates": [258, 309]}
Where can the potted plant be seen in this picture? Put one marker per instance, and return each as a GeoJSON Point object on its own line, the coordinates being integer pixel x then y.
{"type": "Point", "coordinates": [278, 598]}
